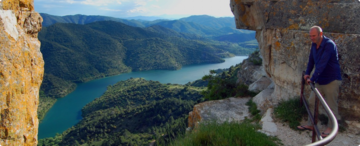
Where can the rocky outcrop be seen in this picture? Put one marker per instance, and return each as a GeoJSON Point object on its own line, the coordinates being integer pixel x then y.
{"type": "Point", "coordinates": [230, 109]}
{"type": "Point", "coordinates": [282, 28]}
{"type": "Point", "coordinates": [21, 72]}
{"type": "Point", "coordinates": [249, 72]}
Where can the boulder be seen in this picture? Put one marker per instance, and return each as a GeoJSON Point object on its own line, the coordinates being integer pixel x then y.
{"type": "Point", "coordinates": [230, 109]}
{"type": "Point", "coordinates": [260, 84]}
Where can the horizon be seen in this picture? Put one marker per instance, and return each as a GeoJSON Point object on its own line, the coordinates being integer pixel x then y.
{"type": "Point", "coordinates": [145, 18]}
{"type": "Point", "coordinates": [126, 9]}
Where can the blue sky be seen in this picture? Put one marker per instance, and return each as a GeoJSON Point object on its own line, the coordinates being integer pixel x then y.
{"type": "Point", "coordinates": [131, 8]}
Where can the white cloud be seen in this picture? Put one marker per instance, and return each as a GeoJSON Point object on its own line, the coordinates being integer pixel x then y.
{"type": "Point", "coordinates": [107, 9]}
{"type": "Point", "coordinates": [199, 7]}
{"type": "Point", "coordinates": [52, 6]}
{"type": "Point", "coordinates": [155, 6]}
{"type": "Point", "coordinates": [138, 10]}
{"type": "Point", "coordinates": [140, 7]}
{"type": "Point", "coordinates": [94, 2]}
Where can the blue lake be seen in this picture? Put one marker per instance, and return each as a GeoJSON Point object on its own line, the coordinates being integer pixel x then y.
{"type": "Point", "coordinates": [66, 112]}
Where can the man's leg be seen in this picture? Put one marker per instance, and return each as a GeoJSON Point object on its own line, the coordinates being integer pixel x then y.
{"type": "Point", "coordinates": [311, 101]}
{"type": "Point", "coordinates": [330, 93]}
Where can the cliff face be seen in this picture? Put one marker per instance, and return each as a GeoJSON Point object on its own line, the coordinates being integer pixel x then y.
{"type": "Point", "coordinates": [21, 72]}
{"type": "Point", "coordinates": [282, 28]}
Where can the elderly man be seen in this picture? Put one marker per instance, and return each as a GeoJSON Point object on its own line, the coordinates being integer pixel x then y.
{"type": "Point", "coordinates": [327, 77]}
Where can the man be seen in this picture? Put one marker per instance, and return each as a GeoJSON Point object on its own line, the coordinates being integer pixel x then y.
{"type": "Point", "coordinates": [327, 77]}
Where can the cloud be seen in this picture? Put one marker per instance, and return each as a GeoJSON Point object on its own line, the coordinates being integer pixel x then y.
{"type": "Point", "coordinates": [137, 10]}
{"type": "Point", "coordinates": [155, 6]}
{"type": "Point", "coordinates": [51, 6]}
{"type": "Point", "coordinates": [112, 10]}
{"type": "Point", "coordinates": [94, 2]}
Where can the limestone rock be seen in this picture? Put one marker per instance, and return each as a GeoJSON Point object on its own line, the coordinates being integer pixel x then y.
{"type": "Point", "coordinates": [264, 99]}
{"type": "Point", "coordinates": [249, 72]}
{"type": "Point", "coordinates": [268, 125]}
{"type": "Point", "coordinates": [230, 109]}
{"type": "Point", "coordinates": [282, 28]}
{"type": "Point", "coordinates": [21, 72]}
{"type": "Point", "coordinates": [260, 84]}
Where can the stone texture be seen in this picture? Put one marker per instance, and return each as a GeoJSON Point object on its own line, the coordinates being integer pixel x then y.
{"type": "Point", "coordinates": [21, 72]}
{"type": "Point", "coordinates": [282, 32]}
{"type": "Point", "coordinates": [264, 100]}
{"type": "Point", "coordinates": [230, 109]}
{"type": "Point", "coordinates": [249, 73]}
{"type": "Point", "coordinates": [261, 84]}
{"type": "Point", "coordinates": [267, 123]}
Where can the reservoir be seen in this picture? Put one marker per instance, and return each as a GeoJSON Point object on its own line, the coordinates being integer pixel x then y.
{"type": "Point", "coordinates": [66, 112]}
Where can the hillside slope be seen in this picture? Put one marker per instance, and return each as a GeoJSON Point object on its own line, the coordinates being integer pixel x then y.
{"type": "Point", "coordinates": [132, 112]}
{"type": "Point", "coordinates": [79, 53]}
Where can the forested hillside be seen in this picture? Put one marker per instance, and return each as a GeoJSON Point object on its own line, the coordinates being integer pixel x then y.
{"type": "Point", "coordinates": [79, 53]}
{"type": "Point", "coordinates": [84, 19]}
{"type": "Point", "coordinates": [132, 112]}
{"type": "Point", "coordinates": [202, 25]}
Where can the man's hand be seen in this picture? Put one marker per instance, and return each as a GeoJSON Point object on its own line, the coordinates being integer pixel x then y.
{"type": "Point", "coordinates": [307, 79]}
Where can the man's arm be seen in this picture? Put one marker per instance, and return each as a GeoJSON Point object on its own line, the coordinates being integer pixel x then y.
{"type": "Point", "coordinates": [325, 57]}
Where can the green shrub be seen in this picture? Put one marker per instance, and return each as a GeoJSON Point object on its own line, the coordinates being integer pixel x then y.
{"type": "Point", "coordinates": [253, 111]}
{"type": "Point", "coordinates": [255, 57]}
{"type": "Point", "coordinates": [226, 134]}
{"type": "Point", "coordinates": [290, 111]}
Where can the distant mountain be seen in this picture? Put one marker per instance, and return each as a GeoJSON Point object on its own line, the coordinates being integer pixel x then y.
{"type": "Point", "coordinates": [146, 18]}
{"type": "Point", "coordinates": [200, 25]}
{"type": "Point", "coordinates": [236, 37]}
{"type": "Point", "coordinates": [212, 22]}
{"type": "Point", "coordinates": [84, 19]}
{"type": "Point", "coordinates": [188, 27]}
{"type": "Point", "coordinates": [79, 53]}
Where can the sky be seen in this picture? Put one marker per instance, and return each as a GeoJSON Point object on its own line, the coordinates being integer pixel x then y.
{"type": "Point", "coordinates": [132, 8]}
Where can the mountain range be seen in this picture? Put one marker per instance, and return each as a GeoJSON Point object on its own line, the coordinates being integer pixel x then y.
{"type": "Point", "coordinates": [79, 53]}
{"type": "Point", "coordinates": [203, 25]}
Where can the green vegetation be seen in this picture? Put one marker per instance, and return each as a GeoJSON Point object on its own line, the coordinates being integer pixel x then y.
{"type": "Point", "coordinates": [211, 21]}
{"type": "Point", "coordinates": [132, 112]}
{"type": "Point", "coordinates": [56, 87]}
{"type": "Point", "coordinates": [290, 111]}
{"type": "Point", "coordinates": [79, 53]}
{"type": "Point", "coordinates": [255, 57]}
{"type": "Point", "coordinates": [84, 19]}
{"type": "Point", "coordinates": [45, 103]}
{"type": "Point", "coordinates": [226, 134]}
{"type": "Point", "coordinates": [254, 111]}
{"type": "Point", "coordinates": [223, 85]}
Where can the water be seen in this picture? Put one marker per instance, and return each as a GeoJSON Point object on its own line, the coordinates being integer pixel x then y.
{"type": "Point", "coordinates": [66, 112]}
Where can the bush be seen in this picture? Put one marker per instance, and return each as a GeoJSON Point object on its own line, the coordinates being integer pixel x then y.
{"type": "Point", "coordinates": [226, 134]}
{"type": "Point", "coordinates": [290, 111]}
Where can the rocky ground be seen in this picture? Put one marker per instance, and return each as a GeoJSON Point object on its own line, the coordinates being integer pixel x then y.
{"type": "Point", "coordinates": [290, 137]}
{"type": "Point", "coordinates": [228, 109]}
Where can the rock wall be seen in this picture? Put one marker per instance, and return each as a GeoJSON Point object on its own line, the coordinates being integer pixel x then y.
{"type": "Point", "coordinates": [21, 72]}
{"type": "Point", "coordinates": [282, 28]}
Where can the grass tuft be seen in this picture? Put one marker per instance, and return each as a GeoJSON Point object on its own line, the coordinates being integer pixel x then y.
{"type": "Point", "coordinates": [290, 111]}
{"type": "Point", "coordinates": [225, 134]}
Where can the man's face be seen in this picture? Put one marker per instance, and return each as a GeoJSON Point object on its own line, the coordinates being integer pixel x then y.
{"type": "Point", "coordinates": [315, 36]}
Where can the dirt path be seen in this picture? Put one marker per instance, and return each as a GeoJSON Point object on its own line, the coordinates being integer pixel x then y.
{"type": "Point", "coordinates": [290, 137]}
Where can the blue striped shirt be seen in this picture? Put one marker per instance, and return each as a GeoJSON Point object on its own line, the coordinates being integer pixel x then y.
{"type": "Point", "coordinates": [326, 61]}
